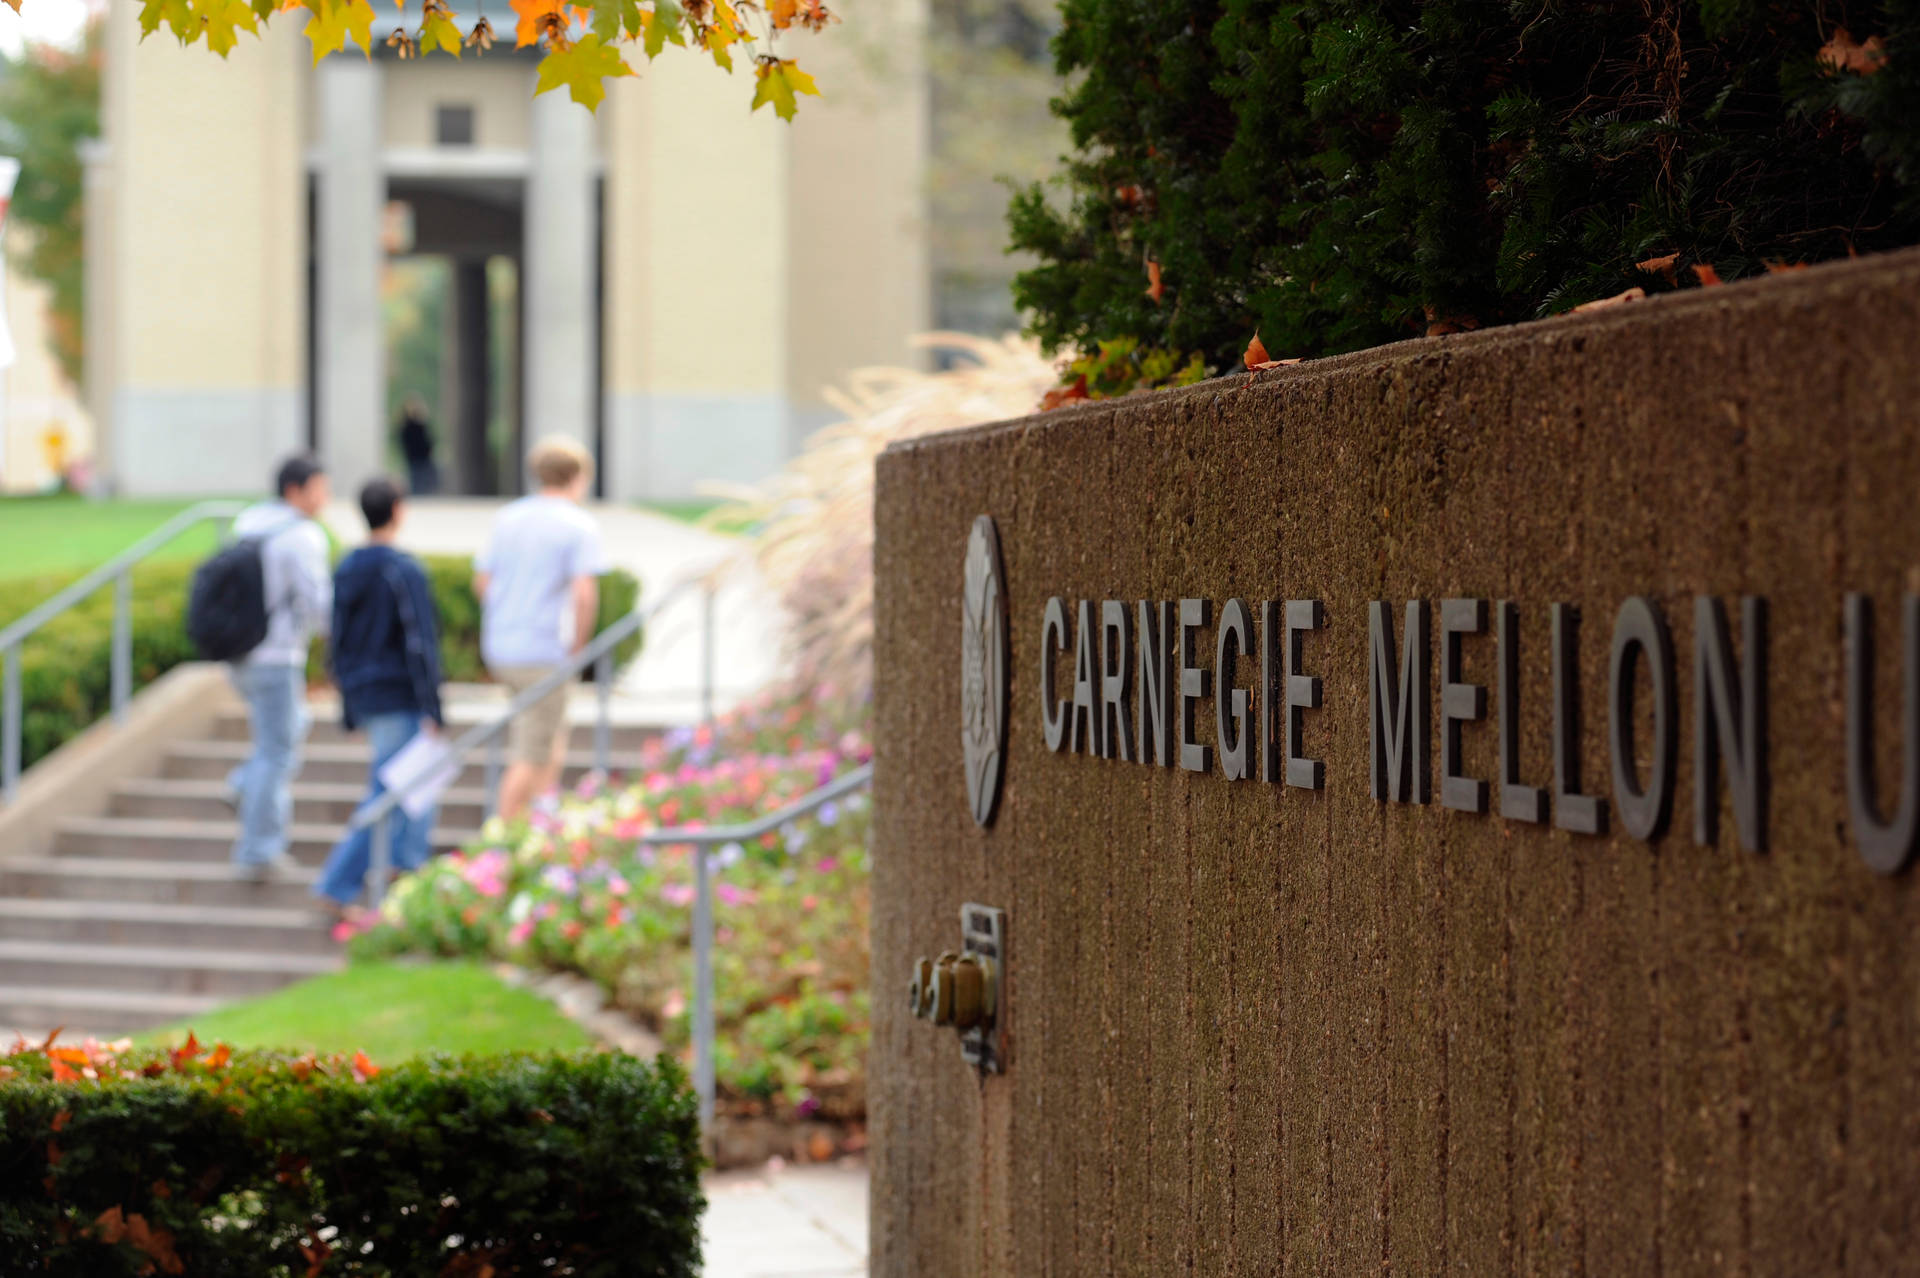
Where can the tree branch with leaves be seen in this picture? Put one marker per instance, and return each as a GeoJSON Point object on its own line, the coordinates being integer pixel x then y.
{"type": "Point", "coordinates": [580, 43]}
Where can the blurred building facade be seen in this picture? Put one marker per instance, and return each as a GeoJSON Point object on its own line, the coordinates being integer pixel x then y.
{"type": "Point", "coordinates": [685, 275]}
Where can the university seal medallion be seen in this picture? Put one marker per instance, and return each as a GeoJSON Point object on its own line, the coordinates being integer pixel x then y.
{"type": "Point", "coordinates": [983, 670]}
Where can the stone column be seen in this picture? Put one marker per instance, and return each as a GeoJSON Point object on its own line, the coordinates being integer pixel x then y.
{"type": "Point", "coordinates": [349, 330]}
{"type": "Point", "coordinates": [560, 312]}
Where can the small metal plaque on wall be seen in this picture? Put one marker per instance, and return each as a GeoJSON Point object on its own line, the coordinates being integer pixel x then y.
{"type": "Point", "coordinates": [983, 934]}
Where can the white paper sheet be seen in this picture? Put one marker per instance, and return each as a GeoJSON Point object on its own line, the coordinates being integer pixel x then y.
{"type": "Point", "coordinates": [426, 763]}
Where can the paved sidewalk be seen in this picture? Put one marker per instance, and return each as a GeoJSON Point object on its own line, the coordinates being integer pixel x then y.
{"type": "Point", "coordinates": [660, 551]}
{"type": "Point", "coordinates": [788, 1222]}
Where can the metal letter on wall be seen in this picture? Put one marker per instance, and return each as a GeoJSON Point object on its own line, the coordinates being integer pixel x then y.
{"type": "Point", "coordinates": [1053, 641]}
{"type": "Point", "coordinates": [1397, 719]}
{"type": "Point", "coordinates": [1233, 715]}
{"type": "Point", "coordinates": [983, 671]}
{"type": "Point", "coordinates": [1886, 845]}
{"type": "Point", "coordinates": [1640, 631]}
{"type": "Point", "coordinates": [1518, 801]}
{"type": "Point", "coordinates": [1572, 810]}
{"type": "Point", "coordinates": [1460, 703]}
{"type": "Point", "coordinates": [1730, 721]}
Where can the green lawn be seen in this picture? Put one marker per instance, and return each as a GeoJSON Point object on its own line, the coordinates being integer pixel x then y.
{"type": "Point", "coordinates": [391, 1011]}
{"type": "Point", "coordinates": [693, 510]}
{"type": "Point", "coordinates": [71, 534]}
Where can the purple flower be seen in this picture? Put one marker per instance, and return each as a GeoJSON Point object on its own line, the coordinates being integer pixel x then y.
{"type": "Point", "coordinates": [829, 813]}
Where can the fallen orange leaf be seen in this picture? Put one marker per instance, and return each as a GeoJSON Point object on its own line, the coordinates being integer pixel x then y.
{"type": "Point", "coordinates": [1708, 277]}
{"type": "Point", "coordinates": [1256, 353]}
{"type": "Point", "coordinates": [1062, 395]}
{"type": "Point", "coordinates": [1155, 289]}
{"type": "Point", "coordinates": [364, 1069]}
{"type": "Point", "coordinates": [1843, 53]}
{"type": "Point", "coordinates": [1661, 266]}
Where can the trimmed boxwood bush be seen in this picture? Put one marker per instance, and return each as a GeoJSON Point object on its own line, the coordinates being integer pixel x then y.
{"type": "Point", "coordinates": [1342, 173]}
{"type": "Point", "coordinates": [264, 1165]}
{"type": "Point", "coordinates": [65, 671]}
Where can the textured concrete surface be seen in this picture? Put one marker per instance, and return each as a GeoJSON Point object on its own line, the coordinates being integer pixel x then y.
{"type": "Point", "coordinates": [1266, 1030]}
{"type": "Point", "coordinates": [782, 1221]}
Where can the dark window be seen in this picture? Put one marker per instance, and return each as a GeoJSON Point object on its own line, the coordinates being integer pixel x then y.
{"type": "Point", "coordinates": [453, 125]}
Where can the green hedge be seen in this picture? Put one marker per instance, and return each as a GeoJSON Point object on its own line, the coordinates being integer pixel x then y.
{"type": "Point", "coordinates": [265, 1166]}
{"type": "Point", "coordinates": [1340, 173]}
{"type": "Point", "coordinates": [65, 672]}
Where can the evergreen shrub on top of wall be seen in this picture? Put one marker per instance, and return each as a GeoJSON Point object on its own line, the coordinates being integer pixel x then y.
{"type": "Point", "coordinates": [1350, 172]}
{"type": "Point", "coordinates": [65, 668]}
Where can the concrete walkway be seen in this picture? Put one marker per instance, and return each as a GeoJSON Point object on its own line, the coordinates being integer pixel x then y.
{"type": "Point", "coordinates": [787, 1222]}
{"type": "Point", "coordinates": [661, 552]}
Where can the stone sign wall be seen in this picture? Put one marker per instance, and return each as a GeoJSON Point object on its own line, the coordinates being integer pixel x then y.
{"type": "Point", "coordinates": [1362, 910]}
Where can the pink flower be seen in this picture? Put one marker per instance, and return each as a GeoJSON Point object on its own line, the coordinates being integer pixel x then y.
{"type": "Point", "coordinates": [809, 902]}
{"type": "Point", "coordinates": [519, 932]}
{"type": "Point", "coordinates": [828, 864]}
{"type": "Point", "coordinates": [731, 895]}
{"type": "Point", "coordinates": [680, 894]}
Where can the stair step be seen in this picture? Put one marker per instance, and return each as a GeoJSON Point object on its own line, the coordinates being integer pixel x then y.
{"type": "Point", "coordinates": [314, 803]}
{"type": "Point", "coordinates": [167, 969]}
{"type": "Point", "coordinates": [152, 838]}
{"type": "Point", "coordinates": [109, 1012]}
{"type": "Point", "coordinates": [302, 930]}
{"type": "Point", "coordinates": [88, 878]}
{"type": "Point", "coordinates": [345, 763]}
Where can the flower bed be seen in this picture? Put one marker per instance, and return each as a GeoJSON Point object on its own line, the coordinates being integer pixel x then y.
{"type": "Point", "coordinates": [572, 889]}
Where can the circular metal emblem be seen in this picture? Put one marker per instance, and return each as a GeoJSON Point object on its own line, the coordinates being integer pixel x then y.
{"type": "Point", "coordinates": [983, 670]}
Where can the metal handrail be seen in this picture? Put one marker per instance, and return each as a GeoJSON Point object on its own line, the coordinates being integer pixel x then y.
{"type": "Point", "coordinates": [599, 654]}
{"type": "Point", "coordinates": [118, 570]}
{"type": "Point", "coordinates": [703, 839]}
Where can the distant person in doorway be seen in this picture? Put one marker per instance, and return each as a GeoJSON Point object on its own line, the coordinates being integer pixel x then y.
{"type": "Point", "coordinates": [538, 582]}
{"type": "Point", "coordinates": [416, 445]}
{"type": "Point", "coordinates": [273, 676]}
{"type": "Point", "coordinates": [386, 662]}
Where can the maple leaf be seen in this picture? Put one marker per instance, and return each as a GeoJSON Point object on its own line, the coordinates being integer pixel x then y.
{"type": "Point", "coordinates": [439, 32]}
{"type": "Point", "coordinates": [1661, 266]}
{"type": "Point", "coordinates": [1844, 53]}
{"type": "Point", "coordinates": [715, 40]}
{"type": "Point", "coordinates": [15, 4]}
{"type": "Point", "coordinates": [1256, 353]}
{"type": "Point", "coordinates": [612, 18]}
{"type": "Point", "coordinates": [1063, 395]}
{"type": "Point", "coordinates": [363, 1068]}
{"type": "Point", "coordinates": [178, 16]}
{"type": "Point", "coordinates": [185, 1052]}
{"type": "Point", "coordinates": [334, 21]}
{"type": "Point", "coordinates": [662, 25]}
{"type": "Point", "coordinates": [779, 80]}
{"type": "Point", "coordinates": [583, 67]}
{"type": "Point", "coordinates": [222, 20]}
{"type": "Point", "coordinates": [1707, 276]}
{"type": "Point", "coordinates": [219, 1057]}
{"type": "Point", "coordinates": [782, 13]}
{"type": "Point", "coordinates": [64, 1073]}
{"type": "Point", "coordinates": [536, 16]}
{"type": "Point", "coordinates": [1155, 289]}
{"type": "Point", "coordinates": [814, 16]}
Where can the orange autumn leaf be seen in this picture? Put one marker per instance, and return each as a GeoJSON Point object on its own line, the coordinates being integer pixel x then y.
{"type": "Point", "coordinates": [1635, 294]}
{"type": "Point", "coordinates": [783, 12]}
{"type": "Point", "coordinates": [537, 17]}
{"type": "Point", "coordinates": [185, 1052]}
{"type": "Point", "coordinates": [219, 1056]}
{"type": "Point", "coordinates": [1155, 289]}
{"type": "Point", "coordinates": [71, 1055]}
{"type": "Point", "coordinates": [1063, 395]}
{"type": "Point", "coordinates": [1661, 266]}
{"type": "Point", "coordinates": [1843, 53]}
{"type": "Point", "coordinates": [64, 1073]}
{"type": "Point", "coordinates": [364, 1069]}
{"type": "Point", "coordinates": [1256, 353]}
{"type": "Point", "coordinates": [1708, 277]}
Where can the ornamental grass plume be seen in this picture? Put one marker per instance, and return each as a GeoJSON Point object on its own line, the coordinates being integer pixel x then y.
{"type": "Point", "coordinates": [813, 521]}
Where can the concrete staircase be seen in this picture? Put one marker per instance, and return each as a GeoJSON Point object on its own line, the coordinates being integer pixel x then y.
{"type": "Point", "coordinates": [132, 918]}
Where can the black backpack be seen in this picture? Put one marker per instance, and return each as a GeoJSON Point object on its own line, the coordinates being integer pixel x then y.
{"type": "Point", "coordinates": [227, 605]}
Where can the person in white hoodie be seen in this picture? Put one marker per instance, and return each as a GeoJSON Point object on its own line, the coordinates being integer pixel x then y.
{"type": "Point", "coordinates": [273, 677]}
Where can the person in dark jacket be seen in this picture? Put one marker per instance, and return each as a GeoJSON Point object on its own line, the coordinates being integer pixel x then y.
{"type": "Point", "coordinates": [386, 662]}
{"type": "Point", "coordinates": [416, 445]}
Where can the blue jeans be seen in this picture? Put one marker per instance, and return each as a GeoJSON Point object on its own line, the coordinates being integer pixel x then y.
{"type": "Point", "coordinates": [276, 699]}
{"type": "Point", "coordinates": [347, 864]}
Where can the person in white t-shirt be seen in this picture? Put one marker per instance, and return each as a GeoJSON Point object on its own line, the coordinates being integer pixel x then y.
{"type": "Point", "coordinates": [538, 582]}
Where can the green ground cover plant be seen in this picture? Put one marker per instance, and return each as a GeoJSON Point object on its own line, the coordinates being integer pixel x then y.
{"type": "Point", "coordinates": [66, 677]}
{"type": "Point", "coordinates": [1342, 173]}
{"type": "Point", "coordinates": [270, 1165]}
{"type": "Point", "coordinates": [393, 1012]}
{"type": "Point", "coordinates": [571, 888]}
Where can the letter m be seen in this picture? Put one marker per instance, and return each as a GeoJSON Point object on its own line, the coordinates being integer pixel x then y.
{"type": "Point", "coordinates": [1397, 721]}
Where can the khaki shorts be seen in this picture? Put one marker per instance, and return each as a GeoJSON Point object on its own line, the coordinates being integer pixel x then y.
{"type": "Point", "coordinates": [537, 736]}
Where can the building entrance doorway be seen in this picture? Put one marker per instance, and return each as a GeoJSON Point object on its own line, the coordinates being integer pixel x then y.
{"type": "Point", "coordinates": [450, 303]}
